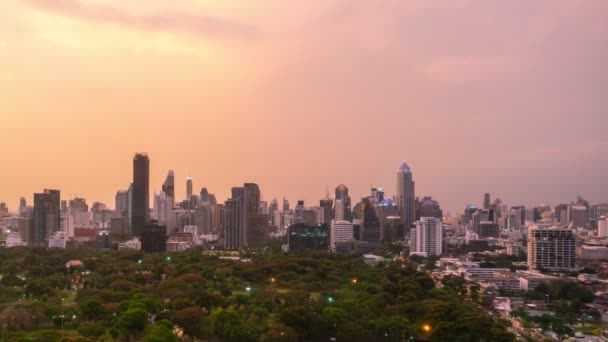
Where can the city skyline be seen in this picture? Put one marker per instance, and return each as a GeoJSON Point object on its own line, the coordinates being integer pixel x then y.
{"type": "Point", "coordinates": [389, 193]}
{"type": "Point", "coordinates": [477, 96]}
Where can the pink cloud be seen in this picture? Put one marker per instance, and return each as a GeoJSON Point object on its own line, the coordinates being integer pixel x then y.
{"type": "Point", "coordinates": [176, 22]}
{"type": "Point", "coordinates": [465, 69]}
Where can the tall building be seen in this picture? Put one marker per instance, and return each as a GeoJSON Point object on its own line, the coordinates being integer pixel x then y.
{"type": "Point", "coordinates": [578, 215]}
{"type": "Point", "coordinates": [342, 195]}
{"type": "Point", "coordinates": [427, 237]}
{"type": "Point", "coordinates": [47, 216]}
{"type": "Point", "coordinates": [552, 248]}
{"type": "Point", "coordinates": [140, 203]}
{"type": "Point", "coordinates": [22, 204]}
{"type": "Point", "coordinates": [233, 229]}
{"type": "Point", "coordinates": [341, 232]}
{"type": "Point", "coordinates": [163, 205]}
{"type": "Point", "coordinates": [428, 207]}
{"type": "Point", "coordinates": [121, 203]}
{"type": "Point", "coordinates": [372, 232]}
{"type": "Point", "coordinates": [406, 195]}
{"type": "Point", "coordinates": [486, 201]}
{"type": "Point", "coordinates": [153, 237]}
{"type": "Point", "coordinates": [602, 227]}
{"type": "Point", "coordinates": [328, 209]}
{"type": "Point", "coordinates": [204, 196]}
{"type": "Point", "coordinates": [168, 186]}
{"type": "Point", "coordinates": [188, 188]}
{"type": "Point", "coordinates": [302, 236]}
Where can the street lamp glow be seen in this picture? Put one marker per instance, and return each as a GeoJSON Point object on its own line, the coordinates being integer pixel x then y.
{"type": "Point", "coordinates": [354, 281]}
{"type": "Point", "coordinates": [426, 328]}
{"type": "Point", "coordinates": [248, 289]}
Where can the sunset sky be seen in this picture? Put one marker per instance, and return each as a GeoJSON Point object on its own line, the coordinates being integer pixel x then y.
{"type": "Point", "coordinates": [506, 97]}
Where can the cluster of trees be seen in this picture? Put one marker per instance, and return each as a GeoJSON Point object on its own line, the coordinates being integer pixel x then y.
{"type": "Point", "coordinates": [191, 295]}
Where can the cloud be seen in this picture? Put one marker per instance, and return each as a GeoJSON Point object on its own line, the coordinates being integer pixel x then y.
{"type": "Point", "coordinates": [169, 21]}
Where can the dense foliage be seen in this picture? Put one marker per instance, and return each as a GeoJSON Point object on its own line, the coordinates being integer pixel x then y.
{"type": "Point", "coordinates": [193, 295]}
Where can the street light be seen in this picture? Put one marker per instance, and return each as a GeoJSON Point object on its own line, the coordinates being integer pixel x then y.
{"type": "Point", "coordinates": [426, 328]}
{"type": "Point", "coordinates": [354, 281]}
{"type": "Point", "coordinates": [248, 289]}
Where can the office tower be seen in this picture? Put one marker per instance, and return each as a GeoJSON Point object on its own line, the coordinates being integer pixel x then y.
{"type": "Point", "coordinates": [168, 186]}
{"type": "Point", "coordinates": [341, 232]}
{"type": "Point", "coordinates": [163, 205]}
{"type": "Point", "coordinates": [578, 215]}
{"type": "Point", "coordinates": [285, 205]}
{"type": "Point", "coordinates": [204, 198]}
{"type": "Point", "coordinates": [342, 195]}
{"type": "Point", "coordinates": [561, 214]}
{"type": "Point", "coordinates": [602, 227]}
{"type": "Point", "coordinates": [78, 205]}
{"type": "Point", "coordinates": [3, 210]}
{"type": "Point", "coordinates": [204, 216]}
{"type": "Point", "coordinates": [392, 229]}
{"type": "Point", "coordinates": [428, 207]}
{"type": "Point", "coordinates": [26, 224]}
{"type": "Point", "coordinates": [597, 211]}
{"type": "Point", "coordinates": [551, 248]}
{"type": "Point", "coordinates": [273, 208]}
{"type": "Point", "coordinates": [339, 210]}
{"type": "Point", "coordinates": [371, 225]}
{"type": "Point", "coordinates": [486, 201]}
{"type": "Point", "coordinates": [302, 237]}
{"type": "Point", "coordinates": [233, 234]}
{"type": "Point", "coordinates": [376, 195]}
{"type": "Point", "coordinates": [64, 207]}
{"type": "Point", "coordinates": [67, 224]}
{"type": "Point", "coordinates": [188, 188]}
{"type": "Point", "coordinates": [385, 209]}
{"type": "Point", "coordinates": [22, 204]}
{"type": "Point", "coordinates": [487, 229]}
{"type": "Point", "coordinates": [263, 207]}
{"type": "Point", "coordinates": [427, 237]}
{"type": "Point", "coordinates": [520, 212]}
{"type": "Point", "coordinates": [47, 218]}
{"type": "Point", "coordinates": [469, 211]}
{"type": "Point", "coordinates": [328, 209]}
{"type": "Point", "coordinates": [121, 201]}
{"type": "Point", "coordinates": [140, 203]}
{"type": "Point", "coordinates": [153, 237]}
{"type": "Point", "coordinates": [406, 195]}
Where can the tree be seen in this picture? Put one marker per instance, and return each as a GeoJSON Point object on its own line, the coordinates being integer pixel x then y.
{"type": "Point", "coordinates": [133, 320]}
{"type": "Point", "coordinates": [160, 333]}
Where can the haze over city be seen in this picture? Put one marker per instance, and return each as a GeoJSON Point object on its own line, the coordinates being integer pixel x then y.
{"type": "Point", "coordinates": [477, 96]}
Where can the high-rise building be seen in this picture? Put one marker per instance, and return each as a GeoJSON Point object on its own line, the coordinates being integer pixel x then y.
{"type": "Point", "coordinates": [578, 215]}
{"type": "Point", "coordinates": [486, 201]}
{"type": "Point", "coordinates": [140, 204]}
{"type": "Point", "coordinates": [153, 238]}
{"type": "Point", "coordinates": [168, 186]}
{"type": "Point", "coordinates": [406, 195]}
{"type": "Point", "coordinates": [163, 205]}
{"type": "Point", "coordinates": [488, 229]}
{"type": "Point", "coordinates": [341, 232]}
{"type": "Point", "coordinates": [561, 214]}
{"type": "Point", "coordinates": [233, 230]}
{"type": "Point", "coordinates": [188, 188]}
{"type": "Point", "coordinates": [342, 195]}
{"type": "Point", "coordinates": [372, 232]}
{"type": "Point", "coordinates": [22, 204]}
{"type": "Point", "coordinates": [47, 217]}
{"type": "Point", "coordinates": [3, 210]}
{"type": "Point", "coordinates": [427, 237]}
{"type": "Point", "coordinates": [302, 236]}
{"type": "Point", "coordinates": [204, 196]}
{"type": "Point", "coordinates": [602, 227]}
{"type": "Point", "coordinates": [121, 203]}
{"type": "Point", "coordinates": [285, 205]}
{"type": "Point", "coordinates": [328, 209]}
{"type": "Point", "coordinates": [339, 210]}
{"type": "Point", "coordinates": [428, 207]}
{"type": "Point", "coordinates": [552, 248]}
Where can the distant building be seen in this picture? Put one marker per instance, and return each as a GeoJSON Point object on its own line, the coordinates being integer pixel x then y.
{"type": "Point", "coordinates": [47, 217]}
{"type": "Point", "coordinates": [427, 237]}
{"type": "Point", "coordinates": [341, 232]}
{"type": "Point", "coordinates": [303, 237]}
{"type": "Point", "coordinates": [551, 248]}
{"type": "Point", "coordinates": [427, 207]}
{"type": "Point", "coordinates": [406, 195]}
{"type": "Point", "coordinates": [168, 187]}
{"type": "Point", "coordinates": [121, 204]}
{"type": "Point", "coordinates": [153, 238]}
{"type": "Point", "coordinates": [57, 240]}
{"type": "Point", "coordinates": [488, 229]}
{"type": "Point", "coordinates": [140, 203]}
{"type": "Point", "coordinates": [103, 240]}
{"type": "Point", "coordinates": [13, 240]}
{"type": "Point", "coordinates": [594, 252]}
{"type": "Point", "coordinates": [328, 210]}
{"type": "Point", "coordinates": [602, 227]}
{"type": "Point", "coordinates": [372, 232]}
{"type": "Point", "coordinates": [343, 213]}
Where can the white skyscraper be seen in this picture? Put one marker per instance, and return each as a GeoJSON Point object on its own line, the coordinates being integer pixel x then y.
{"type": "Point", "coordinates": [163, 204]}
{"type": "Point", "coordinates": [341, 231]}
{"type": "Point", "coordinates": [339, 210]}
{"type": "Point", "coordinates": [427, 237]}
{"type": "Point", "coordinates": [602, 227]}
{"type": "Point", "coordinates": [121, 203]}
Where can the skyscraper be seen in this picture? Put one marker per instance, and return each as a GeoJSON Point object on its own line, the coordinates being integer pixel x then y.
{"type": "Point", "coordinates": [341, 232]}
{"type": "Point", "coordinates": [342, 195]}
{"type": "Point", "coordinates": [486, 201]}
{"type": "Point", "coordinates": [371, 225]}
{"type": "Point", "coordinates": [121, 203]}
{"type": "Point", "coordinates": [169, 187]}
{"type": "Point", "coordinates": [426, 238]}
{"type": "Point", "coordinates": [551, 248]}
{"type": "Point", "coordinates": [141, 194]}
{"type": "Point", "coordinates": [328, 209]}
{"type": "Point", "coordinates": [406, 204]}
{"type": "Point", "coordinates": [47, 217]}
{"type": "Point", "coordinates": [188, 188]}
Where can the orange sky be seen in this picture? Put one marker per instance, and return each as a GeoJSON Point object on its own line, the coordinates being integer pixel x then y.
{"type": "Point", "coordinates": [505, 97]}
